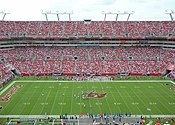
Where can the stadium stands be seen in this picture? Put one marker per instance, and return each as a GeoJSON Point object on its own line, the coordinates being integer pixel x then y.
{"type": "Point", "coordinates": [95, 28]}
{"type": "Point", "coordinates": [136, 60]}
{"type": "Point", "coordinates": [100, 60]}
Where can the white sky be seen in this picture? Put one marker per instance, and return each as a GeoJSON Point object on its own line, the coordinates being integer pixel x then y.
{"type": "Point", "coordinates": [87, 9]}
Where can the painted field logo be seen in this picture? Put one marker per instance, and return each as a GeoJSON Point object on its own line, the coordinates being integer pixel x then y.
{"type": "Point", "coordinates": [96, 95]}
{"type": "Point", "coordinates": [10, 93]}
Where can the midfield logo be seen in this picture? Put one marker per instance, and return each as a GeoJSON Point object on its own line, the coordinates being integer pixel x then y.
{"type": "Point", "coordinates": [96, 95]}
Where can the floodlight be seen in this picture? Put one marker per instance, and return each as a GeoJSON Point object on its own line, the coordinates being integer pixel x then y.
{"type": "Point", "coordinates": [57, 13]}
{"type": "Point", "coordinates": [118, 13]}
{"type": "Point", "coordinates": [4, 13]}
{"type": "Point", "coordinates": [170, 12]}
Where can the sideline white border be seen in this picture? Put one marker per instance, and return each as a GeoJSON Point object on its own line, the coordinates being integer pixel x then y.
{"type": "Point", "coordinates": [3, 90]}
{"type": "Point", "coordinates": [84, 116]}
{"type": "Point", "coordinates": [172, 82]}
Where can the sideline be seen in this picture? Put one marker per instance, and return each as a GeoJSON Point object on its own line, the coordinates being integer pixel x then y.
{"type": "Point", "coordinates": [3, 90]}
{"type": "Point", "coordinates": [95, 81]}
{"type": "Point", "coordinates": [172, 82]}
{"type": "Point", "coordinates": [84, 116]}
{"type": "Point", "coordinates": [82, 81]}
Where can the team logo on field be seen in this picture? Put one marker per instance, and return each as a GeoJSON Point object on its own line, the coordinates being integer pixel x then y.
{"type": "Point", "coordinates": [10, 93]}
{"type": "Point", "coordinates": [96, 95]}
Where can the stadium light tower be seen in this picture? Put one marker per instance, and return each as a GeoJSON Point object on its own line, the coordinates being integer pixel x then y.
{"type": "Point", "coordinates": [4, 14]}
{"type": "Point", "coordinates": [57, 13]}
{"type": "Point", "coordinates": [105, 13]}
{"type": "Point", "coordinates": [129, 14]}
{"type": "Point", "coordinates": [63, 13]}
{"type": "Point", "coordinates": [109, 13]}
{"type": "Point", "coordinates": [170, 12]}
{"type": "Point", "coordinates": [45, 13]}
{"type": "Point", "coordinates": [117, 14]}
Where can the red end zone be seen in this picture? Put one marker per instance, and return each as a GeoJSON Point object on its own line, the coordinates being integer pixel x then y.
{"type": "Point", "coordinates": [7, 97]}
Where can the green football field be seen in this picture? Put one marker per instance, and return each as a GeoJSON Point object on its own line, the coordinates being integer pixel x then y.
{"type": "Point", "coordinates": [55, 98]}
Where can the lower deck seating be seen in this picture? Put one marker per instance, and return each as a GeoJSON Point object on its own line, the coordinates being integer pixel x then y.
{"type": "Point", "coordinates": [136, 60]}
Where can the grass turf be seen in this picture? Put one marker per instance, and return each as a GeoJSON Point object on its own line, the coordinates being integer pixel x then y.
{"type": "Point", "coordinates": [55, 98]}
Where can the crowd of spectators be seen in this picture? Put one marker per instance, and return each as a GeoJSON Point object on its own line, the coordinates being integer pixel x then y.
{"type": "Point", "coordinates": [135, 60]}
{"type": "Point", "coordinates": [34, 60]}
{"type": "Point", "coordinates": [94, 28]}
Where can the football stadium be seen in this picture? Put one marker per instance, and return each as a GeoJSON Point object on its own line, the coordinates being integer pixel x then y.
{"type": "Point", "coordinates": [87, 72]}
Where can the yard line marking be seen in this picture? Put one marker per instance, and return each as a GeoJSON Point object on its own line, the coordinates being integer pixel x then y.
{"type": "Point", "coordinates": [108, 87]}
{"type": "Point", "coordinates": [94, 87]}
{"type": "Point", "coordinates": [153, 103]}
{"type": "Point", "coordinates": [28, 100]}
{"type": "Point", "coordinates": [118, 103]}
{"type": "Point", "coordinates": [63, 98]}
{"type": "Point", "coordinates": [162, 98]}
{"type": "Point", "coordinates": [89, 101]}
{"type": "Point", "coordinates": [153, 106]}
{"type": "Point", "coordinates": [79, 87]}
{"type": "Point", "coordinates": [106, 100]}
{"type": "Point", "coordinates": [65, 87]}
{"type": "Point", "coordinates": [26, 103]}
{"type": "Point", "coordinates": [134, 103]}
{"type": "Point", "coordinates": [72, 98]}
{"type": "Point", "coordinates": [98, 103]}
{"type": "Point", "coordinates": [19, 102]}
{"type": "Point", "coordinates": [33, 106]}
{"type": "Point", "coordinates": [80, 103]}
{"type": "Point", "coordinates": [137, 87]}
{"type": "Point", "coordinates": [160, 102]}
{"type": "Point", "coordinates": [122, 87]}
{"type": "Point", "coordinates": [36, 87]}
{"type": "Point", "coordinates": [51, 87]}
{"type": "Point", "coordinates": [121, 97]}
{"type": "Point", "coordinates": [45, 104]}
{"type": "Point", "coordinates": [62, 103]}
{"type": "Point", "coordinates": [54, 100]}
{"type": "Point", "coordinates": [171, 103]}
{"type": "Point", "coordinates": [138, 99]}
{"type": "Point", "coordinates": [150, 87]}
